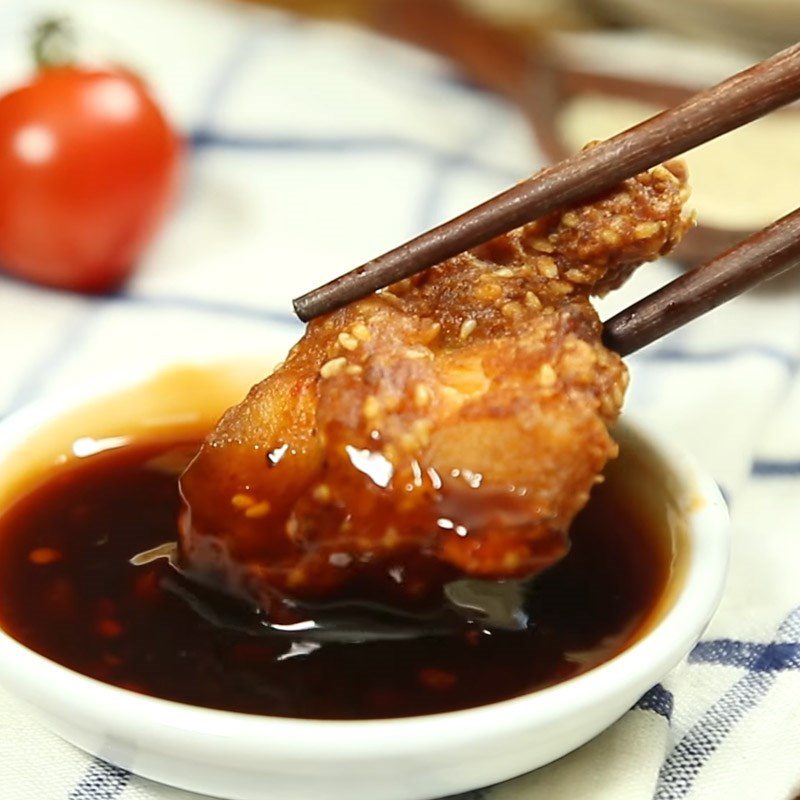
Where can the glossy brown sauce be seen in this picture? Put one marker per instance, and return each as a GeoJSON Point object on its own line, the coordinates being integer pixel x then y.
{"type": "Point", "coordinates": [69, 592]}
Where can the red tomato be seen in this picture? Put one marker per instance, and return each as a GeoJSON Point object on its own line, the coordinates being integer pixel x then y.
{"type": "Point", "coordinates": [88, 164]}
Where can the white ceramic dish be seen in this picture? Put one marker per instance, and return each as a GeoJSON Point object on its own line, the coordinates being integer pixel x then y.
{"type": "Point", "coordinates": [245, 757]}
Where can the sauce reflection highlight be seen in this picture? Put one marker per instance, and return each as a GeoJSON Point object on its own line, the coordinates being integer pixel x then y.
{"type": "Point", "coordinates": [68, 591]}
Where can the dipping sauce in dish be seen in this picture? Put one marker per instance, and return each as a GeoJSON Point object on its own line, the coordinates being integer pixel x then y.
{"type": "Point", "coordinates": [69, 592]}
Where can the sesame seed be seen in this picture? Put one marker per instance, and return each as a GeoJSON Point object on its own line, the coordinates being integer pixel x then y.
{"type": "Point", "coordinates": [322, 493]}
{"type": "Point", "coordinates": [417, 353]}
{"type": "Point", "coordinates": [547, 267]}
{"type": "Point", "coordinates": [242, 501]}
{"type": "Point", "coordinates": [347, 340]}
{"type": "Point", "coordinates": [431, 333]}
{"type": "Point", "coordinates": [487, 292]}
{"type": "Point", "coordinates": [532, 301]}
{"type": "Point", "coordinates": [577, 276]}
{"type": "Point", "coordinates": [292, 527]}
{"type": "Point", "coordinates": [543, 245]}
{"type": "Point", "coordinates": [512, 310]}
{"type": "Point", "coordinates": [354, 369]}
{"type": "Point", "coordinates": [560, 287]}
{"type": "Point", "coordinates": [422, 395]}
{"type": "Point", "coordinates": [259, 510]}
{"type": "Point", "coordinates": [361, 332]}
{"type": "Point", "coordinates": [610, 236]}
{"type": "Point", "coordinates": [467, 328]}
{"type": "Point", "coordinates": [505, 272]}
{"type": "Point", "coordinates": [333, 367]}
{"type": "Point", "coordinates": [547, 375]}
{"type": "Point", "coordinates": [372, 407]}
{"type": "Point", "coordinates": [391, 299]}
{"type": "Point", "coordinates": [664, 174]}
{"type": "Point", "coordinates": [644, 230]}
{"type": "Point", "coordinates": [570, 219]}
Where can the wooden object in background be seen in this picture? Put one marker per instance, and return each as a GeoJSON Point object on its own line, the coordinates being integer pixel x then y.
{"type": "Point", "coordinates": [736, 101]}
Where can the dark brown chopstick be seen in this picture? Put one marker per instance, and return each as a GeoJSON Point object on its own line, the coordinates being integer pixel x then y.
{"type": "Point", "coordinates": [708, 114]}
{"type": "Point", "coordinates": [759, 257]}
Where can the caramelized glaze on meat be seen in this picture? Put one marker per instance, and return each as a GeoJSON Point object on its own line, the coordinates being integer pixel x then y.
{"type": "Point", "coordinates": [451, 425]}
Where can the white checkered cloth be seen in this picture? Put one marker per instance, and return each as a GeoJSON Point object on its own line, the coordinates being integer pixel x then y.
{"type": "Point", "coordinates": [393, 141]}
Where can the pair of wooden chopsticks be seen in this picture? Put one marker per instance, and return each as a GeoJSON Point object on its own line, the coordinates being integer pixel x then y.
{"type": "Point", "coordinates": [728, 105]}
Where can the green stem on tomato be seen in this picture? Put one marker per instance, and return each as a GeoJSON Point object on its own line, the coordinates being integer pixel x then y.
{"type": "Point", "coordinates": [53, 43]}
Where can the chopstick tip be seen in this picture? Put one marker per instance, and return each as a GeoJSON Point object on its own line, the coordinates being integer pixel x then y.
{"type": "Point", "coordinates": [299, 306]}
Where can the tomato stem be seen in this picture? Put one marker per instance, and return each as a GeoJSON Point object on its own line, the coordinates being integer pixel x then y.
{"type": "Point", "coordinates": [53, 43]}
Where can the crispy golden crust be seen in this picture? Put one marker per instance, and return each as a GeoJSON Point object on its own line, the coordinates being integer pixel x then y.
{"type": "Point", "coordinates": [453, 424]}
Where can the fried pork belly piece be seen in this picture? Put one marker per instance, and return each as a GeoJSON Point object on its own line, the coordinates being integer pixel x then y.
{"type": "Point", "coordinates": [452, 425]}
